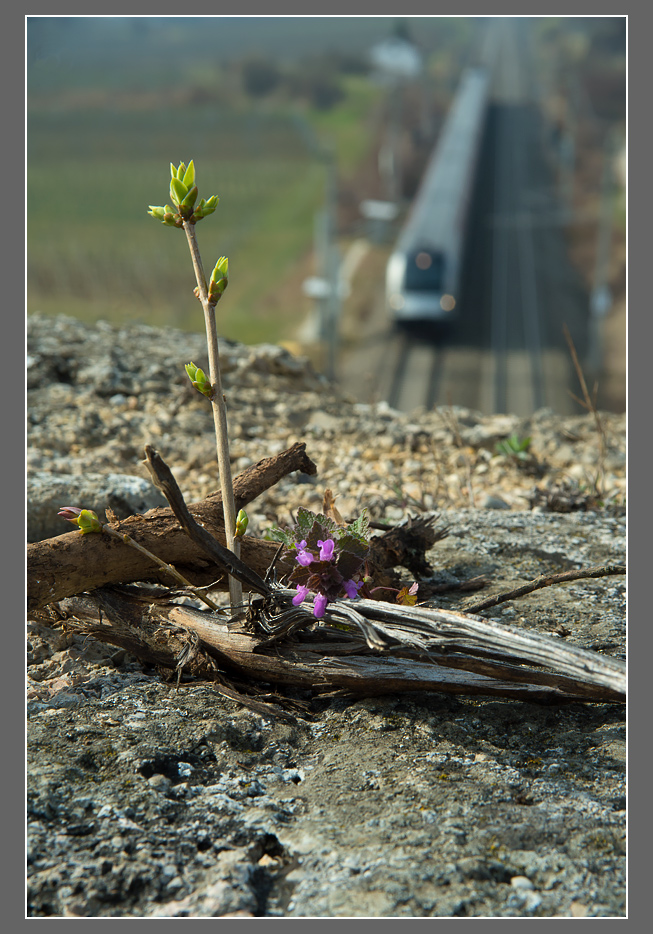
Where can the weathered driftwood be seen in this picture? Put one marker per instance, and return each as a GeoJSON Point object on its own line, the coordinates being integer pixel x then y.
{"type": "Point", "coordinates": [72, 563]}
{"type": "Point", "coordinates": [418, 649]}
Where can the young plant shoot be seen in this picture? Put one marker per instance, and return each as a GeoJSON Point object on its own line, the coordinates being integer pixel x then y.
{"type": "Point", "coordinates": [184, 213]}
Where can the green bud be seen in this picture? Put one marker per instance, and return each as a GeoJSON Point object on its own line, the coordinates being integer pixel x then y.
{"type": "Point", "coordinates": [173, 171]}
{"type": "Point", "coordinates": [215, 291]}
{"type": "Point", "coordinates": [204, 208]}
{"type": "Point", "coordinates": [219, 280]}
{"type": "Point", "coordinates": [220, 270]}
{"type": "Point", "coordinates": [241, 523]}
{"type": "Point", "coordinates": [198, 380]}
{"type": "Point", "coordinates": [181, 171]}
{"type": "Point", "coordinates": [189, 175]}
{"type": "Point", "coordinates": [88, 522]}
{"type": "Point", "coordinates": [157, 212]}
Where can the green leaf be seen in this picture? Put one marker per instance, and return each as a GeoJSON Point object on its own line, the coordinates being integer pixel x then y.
{"type": "Point", "coordinates": [275, 534]}
{"type": "Point", "coordinates": [88, 522]}
{"type": "Point", "coordinates": [189, 175]}
{"type": "Point", "coordinates": [312, 527]}
{"type": "Point", "coordinates": [360, 527]}
{"type": "Point", "coordinates": [191, 198]}
{"type": "Point", "coordinates": [178, 191]}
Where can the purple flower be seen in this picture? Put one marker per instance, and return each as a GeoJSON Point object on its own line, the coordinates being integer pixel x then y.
{"type": "Point", "coordinates": [303, 557]}
{"type": "Point", "coordinates": [319, 605]}
{"type": "Point", "coordinates": [352, 588]}
{"type": "Point", "coordinates": [326, 549]}
{"type": "Point", "coordinates": [301, 594]}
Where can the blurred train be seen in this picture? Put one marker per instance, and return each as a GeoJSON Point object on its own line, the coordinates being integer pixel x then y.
{"type": "Point", "coordinates": [423, 272]}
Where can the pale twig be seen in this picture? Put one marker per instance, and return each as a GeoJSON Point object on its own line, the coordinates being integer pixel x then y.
{"type": "Point", "coordinates": [546, 580]}
{"type": "Point", "coordinates": [128, 540]}
{"type": "Point", "coordinates": [219, 408]}
{"type": "Point", "coordinates": [590, 405]}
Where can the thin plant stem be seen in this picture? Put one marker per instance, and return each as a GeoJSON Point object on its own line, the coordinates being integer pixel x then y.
{"type": "Point", "coordinates": [219, 407]}
{"type": "Point", "coordinates": [590, 405]}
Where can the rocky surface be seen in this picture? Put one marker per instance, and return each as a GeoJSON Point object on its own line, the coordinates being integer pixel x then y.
{"type": "Point", "coordinates": [147, 801]}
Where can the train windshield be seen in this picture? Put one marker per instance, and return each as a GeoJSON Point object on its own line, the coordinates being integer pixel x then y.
{"type": "Point", "coordinates": [425, 271]}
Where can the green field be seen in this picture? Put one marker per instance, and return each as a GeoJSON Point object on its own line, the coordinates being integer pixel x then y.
{"type": "Point", "coordinates": [93, 252]}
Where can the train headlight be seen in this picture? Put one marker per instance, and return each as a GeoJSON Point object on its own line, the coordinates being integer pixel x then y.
{"type": "Point", "coordinates": [447, 303]}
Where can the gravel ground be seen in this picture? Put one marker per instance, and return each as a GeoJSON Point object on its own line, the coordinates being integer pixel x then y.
{"type": "Point", "coordinates": [147, 801]}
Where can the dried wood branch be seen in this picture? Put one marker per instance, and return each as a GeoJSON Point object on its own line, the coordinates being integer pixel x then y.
{"type": "Point", "coordinates": [546, 580]}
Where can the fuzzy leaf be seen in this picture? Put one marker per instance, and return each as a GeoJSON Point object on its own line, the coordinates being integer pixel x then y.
{"type": "Point", "coordinates": [360, 527]}
{"type": "Point", "coordinates": [275, 534]}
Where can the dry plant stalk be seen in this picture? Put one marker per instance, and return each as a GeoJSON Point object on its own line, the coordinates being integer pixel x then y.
{"type": "Point", "coordinates": [219, 409]}
{"type": "Point", "coordinates": [589, 404]}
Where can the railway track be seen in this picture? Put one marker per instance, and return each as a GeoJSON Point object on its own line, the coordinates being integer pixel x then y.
{"type": "Point", "coordinates": [508, 352]}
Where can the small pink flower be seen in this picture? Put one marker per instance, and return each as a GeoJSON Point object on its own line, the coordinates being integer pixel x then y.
{"type": "Point", "coordinates": [303, 557]}
{"type": "Point", "coordinates": [301, 594]}
{"type": "Point", "coordinates": [352, 588]}
{"type": "Point", "coordinates": [319, 605]}
{"type": "Point", "coordinates": [326, 549]}
{"type": "Point", "coordinates": [69, 513]}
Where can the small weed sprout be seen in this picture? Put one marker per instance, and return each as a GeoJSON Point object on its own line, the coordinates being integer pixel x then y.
{"type": "Point", "coordinates": [514, 447]}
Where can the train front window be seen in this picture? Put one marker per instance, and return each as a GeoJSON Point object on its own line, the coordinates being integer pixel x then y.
{"type": "Point", "coordinates": [425, 272]}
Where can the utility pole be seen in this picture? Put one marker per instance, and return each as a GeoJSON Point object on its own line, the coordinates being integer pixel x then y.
{"type": "Point", "coordinates": [324, 288]}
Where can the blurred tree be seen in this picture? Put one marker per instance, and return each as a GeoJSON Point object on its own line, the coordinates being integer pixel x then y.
{"type": "Point", "coordinates": [260, 76]}
{"type": "Point", "coordinates": [400, 30]}
{"type": "Point", "coordinates": [316, 81]}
